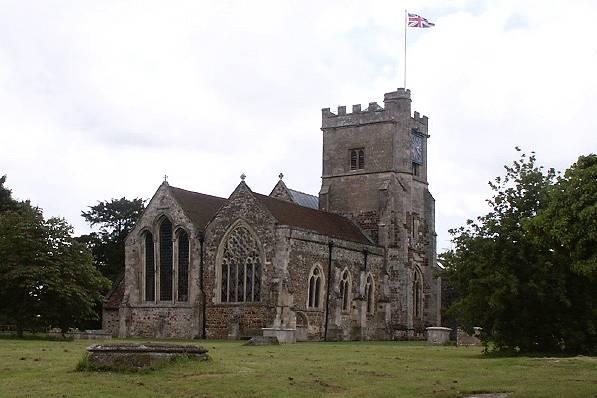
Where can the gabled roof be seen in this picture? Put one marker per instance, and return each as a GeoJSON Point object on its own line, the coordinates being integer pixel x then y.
{"type": "Point", "coordinates": [304, 199]}
{"type": "Point", "coordinates": [322, 222]}
{"type": "Point", "coordinates": [115, 296]}
{"type": "Point", "coordinates": [200, 208]}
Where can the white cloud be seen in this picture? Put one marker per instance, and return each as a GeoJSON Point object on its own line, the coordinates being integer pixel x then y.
{"type": "Point", "coordinates": [101, 99]}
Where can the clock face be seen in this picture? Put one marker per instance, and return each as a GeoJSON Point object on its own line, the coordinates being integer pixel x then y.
{"type": "Point", "coordinates": [417, 148]}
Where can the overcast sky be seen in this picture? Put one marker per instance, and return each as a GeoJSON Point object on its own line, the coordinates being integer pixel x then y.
{"type": "Point", "coordinates": [100, 99]}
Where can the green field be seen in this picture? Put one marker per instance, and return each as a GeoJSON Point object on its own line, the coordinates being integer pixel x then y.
{"type": "Point", "coordinates": [36, 368]}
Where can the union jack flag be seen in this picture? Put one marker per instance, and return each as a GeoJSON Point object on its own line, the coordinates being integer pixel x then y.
{"type": "Point", "coordinates": [417, 21]}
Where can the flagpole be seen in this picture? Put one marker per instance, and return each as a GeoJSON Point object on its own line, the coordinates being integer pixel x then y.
{"type": "Point", "coordinates": [405, 19]}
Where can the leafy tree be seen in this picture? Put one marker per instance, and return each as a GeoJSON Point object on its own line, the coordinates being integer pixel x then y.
{"type": "Point", "coordinates": [46, 277]}
{"type": "Point", "coordinates": [6, 200]}
{"type": "Point", "coordinates": [570, 220]}
{"type": "Point", "coordinates": [116, 219]}
{"type": "Point", "coordinates": [511, 281]}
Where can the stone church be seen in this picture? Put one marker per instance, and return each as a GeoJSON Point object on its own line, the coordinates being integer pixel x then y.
{"type": "Point", "coordinates": [356, 262]}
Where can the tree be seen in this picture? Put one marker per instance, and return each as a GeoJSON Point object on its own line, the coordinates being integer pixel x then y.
{"type": "Point", "coordinates": [511, 281]}
{"type": "Point", "coordinates": [6, 200]}
{"type": "Point", "coordinates": [116, 219]}
{"type": "Point", "coordinates": [569, 223]}
{"type": "Point", "coordinates": [46, 277]}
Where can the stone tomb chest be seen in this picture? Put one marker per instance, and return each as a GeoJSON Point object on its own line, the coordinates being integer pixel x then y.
{"type": "Point", "coordinates": [139, 356]}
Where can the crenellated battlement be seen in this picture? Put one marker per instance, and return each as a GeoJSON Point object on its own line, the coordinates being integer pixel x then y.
{"type": "Point", "coordinates": [396, 106]}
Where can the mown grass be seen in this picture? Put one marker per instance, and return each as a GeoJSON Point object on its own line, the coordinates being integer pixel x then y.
{"type": "Point", "coordinates": [30, 368]}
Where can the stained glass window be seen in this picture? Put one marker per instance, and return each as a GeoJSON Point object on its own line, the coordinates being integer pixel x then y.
{"type": "Point", "coordinates": [345, 290]}
{"type": "Point", "coordinates": [166, 260]}
{"type": "Point", "coordinates": [369, 294]}
{"type": "Point", "coordinates": [149, 268]}
{"type": "Point", "coordinates": [417, 293]}
{"type": "Point", "coordinates": [241, 268]}
{"type": "Point", "coordinates": [315, 288]}
{"type": "Point", "coordinates": [183, 266]}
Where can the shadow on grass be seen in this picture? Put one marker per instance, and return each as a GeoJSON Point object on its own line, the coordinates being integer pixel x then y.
{"type": "Point", "coordinates": [84, 365]}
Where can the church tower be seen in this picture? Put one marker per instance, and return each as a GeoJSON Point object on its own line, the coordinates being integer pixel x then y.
{"type": "Point", "coordinates": [375, 173]}
{"type": "Point", "coordinates": [375, 163]}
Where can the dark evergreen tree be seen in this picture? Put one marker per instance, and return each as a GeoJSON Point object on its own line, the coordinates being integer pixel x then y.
{"type": "Point", "coordinates": [116, 219]}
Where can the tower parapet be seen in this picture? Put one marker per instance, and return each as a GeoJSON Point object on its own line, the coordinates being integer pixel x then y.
{"type": "Point", "coordinates": [396, 105]}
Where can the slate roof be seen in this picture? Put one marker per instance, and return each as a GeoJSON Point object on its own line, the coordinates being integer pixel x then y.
{"type": "Point", "coordinates": [199, 207]}
{"type": "Point", "coordinates": [328, 224]}
{"type": "Point", "coordinates": [304, 199]}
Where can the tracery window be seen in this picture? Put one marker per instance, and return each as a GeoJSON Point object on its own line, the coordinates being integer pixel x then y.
{"type": "Point", "coordinates": [183, 266]}
{"type": "Point", "coordinates": [369, 286]}
{"type": "Point", "coordinates": [315, 288]}
{"type": "Point", "coordinates": [345, 290]}
{"type": "Point", "coordinates": [241, 268]}
{"type": "Point", "coordinates": [149, 268]}
{"type": "Point", "coordinates": [166, 260]}
{"type": "Point", "coordinates": [417, 293]}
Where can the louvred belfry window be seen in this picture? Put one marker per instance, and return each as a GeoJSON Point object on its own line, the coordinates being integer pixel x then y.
{"type": "Point", "coordinates": [241, 268]}
{"type": "Point", "coordinates": [357, 159]}
{"type": "Point", "coordinates": [166, 260]}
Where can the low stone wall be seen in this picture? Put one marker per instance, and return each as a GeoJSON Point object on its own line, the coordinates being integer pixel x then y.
{"type": "Point", "coordinates": [162, 322]}
{"type": "Point", "coordinates": [81, 335]}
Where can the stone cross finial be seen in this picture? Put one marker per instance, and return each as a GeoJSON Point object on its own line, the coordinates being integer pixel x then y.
{"type": "Point", "coordinates": [280, 176]}
{"type": "Point", "coordinates": [243, 176]}
{"type": "Point", "coordinates": [165, 178]}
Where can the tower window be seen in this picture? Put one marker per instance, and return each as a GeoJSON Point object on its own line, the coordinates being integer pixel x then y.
{"type": "Point", "coordinates": [416, 169]}
{"type": "Point", "coordinates": [357, 159]}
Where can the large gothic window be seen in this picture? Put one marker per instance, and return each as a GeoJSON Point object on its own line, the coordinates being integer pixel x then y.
{"type": "Point", "coordinates": [183, 266]}
{"type": "Point", "coordinates": [166, 260]}
{"type": "Point", "coordinates": [345, 290]}
{"type": "Point", "coordinates": [369, 294]}
{"type": "Point", "coordinates": [149, 268]}
{"type": "Point", "coordinates": [241, 268]}
{"type": "Point", "coordinates": [417, 293]}
{"type": "Point", "coordinates": [315, 288]}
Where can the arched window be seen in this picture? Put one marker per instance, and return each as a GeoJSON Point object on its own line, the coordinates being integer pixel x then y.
{"type": "Point", "coordinates": [241, 268]}
{"type": "Point", "coordinates": [315, 288]}
{"type": "Point", "coordinates": [183, 266]}
{"type": "Point", "coordinates": [369, 291]}
{"type": "Point", "coordinates": [149, 267]}
{"type": "Point", "coordinates": [417, 293]}
{"type": "Point", "coordinates": [166, 260]}
{"type": "Point", "coordinates": [345, 290]}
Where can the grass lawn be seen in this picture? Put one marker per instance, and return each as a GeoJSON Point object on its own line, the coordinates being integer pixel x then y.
{"type": "Point", "coordinates": [36, 368]}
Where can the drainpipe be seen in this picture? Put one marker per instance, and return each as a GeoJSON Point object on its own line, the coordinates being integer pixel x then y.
{"type": "Point", "coordinates": [203, 295]}
{"type": "Point", "coordinates": [327, 290]}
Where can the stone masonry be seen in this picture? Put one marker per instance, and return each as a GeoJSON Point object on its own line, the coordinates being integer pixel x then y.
{"type": "Point", "coordinates": [359, 267]}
